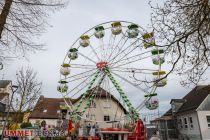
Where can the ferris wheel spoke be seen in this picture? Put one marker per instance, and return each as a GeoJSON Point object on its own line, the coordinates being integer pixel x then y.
{"type": "Point", "coordinates": [76, 87]}
{"type": "Point", "coordinates": [128, 58]}
{"type": "Point", "coordinates": [135, 69]}
{"type": "Point", "coordinates": [95, 52]}
{"type": "Point", "coordinates": [119, 51]}
{"type": "Point", "coordinates": [112, 59]}
{"type": "Point", "coordinates": [129, 62]}
{"type": "Point", "coordinates": [142, 71]}
{"type": "Point", "coordinates": [87, 58]}
{"type": "Point", "coordinates": [136, 86]}
{"type": "Point", "coordinates": [79, 78]}
{"type": "Point", "coordinates": [79, 74]}
{"type": "Point", "coordinates": [114, 46]}
{"type": "Point", "coordinates": [82, 66]}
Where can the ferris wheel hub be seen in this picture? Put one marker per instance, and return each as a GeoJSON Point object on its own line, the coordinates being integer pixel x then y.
{"type": "Point", "coordinates": [101, 65]}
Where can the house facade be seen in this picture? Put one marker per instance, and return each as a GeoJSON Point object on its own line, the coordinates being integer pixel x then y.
{"type": "Point", "coordinates": [5, 96]}
{"type": "Point", "coordinates": [5, 91]}
{"type": "Point", "coordinates": [104, 107]}
{"type": "Point", "coordinates": [191, 115]}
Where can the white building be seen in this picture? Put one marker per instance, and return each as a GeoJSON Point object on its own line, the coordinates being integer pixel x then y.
{"type": "Point", "coordinates": [104, 107]}
{"type": "Point", "coordinates": [190, 115]}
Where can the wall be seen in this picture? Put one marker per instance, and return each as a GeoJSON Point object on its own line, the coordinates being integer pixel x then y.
{"type": "Point", "coordinates": [205, 131]}
{"type": "Point", "coordinates": [100, 111]}
{"type": "Point", "coordinates": [191, 133]}
{"type": "Point", "coordinates": [48, 121]}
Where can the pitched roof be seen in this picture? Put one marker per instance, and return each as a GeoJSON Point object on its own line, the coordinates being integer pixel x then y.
{"type": "Point", "coordinates": [103, 94]}
{"type": "Point", "coordinates": [4, 83]}
{"type": "Point", "coordinates": [52, 105]}
{"type": "Point", "coordinates": [194, 98]}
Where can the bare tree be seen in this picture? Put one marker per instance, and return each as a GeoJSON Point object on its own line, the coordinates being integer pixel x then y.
{"type": "Point", "coordinates": [183, 28]}
{"type": "Point", "coordinates": [21, 24]}
{"type": "Point", "coordinates": [29, 90]}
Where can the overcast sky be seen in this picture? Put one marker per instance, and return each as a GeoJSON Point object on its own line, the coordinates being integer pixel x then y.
{"type": "Point", "coordinates": [68, 24]}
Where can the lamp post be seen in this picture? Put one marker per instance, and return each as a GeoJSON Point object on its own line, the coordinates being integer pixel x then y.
{"type": "Point", "coordinates": [14, 89]}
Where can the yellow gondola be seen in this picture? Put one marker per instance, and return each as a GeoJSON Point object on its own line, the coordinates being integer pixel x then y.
{"type": "Point", "coordinates": [159, 82]}
{"type": "Point", "coordinates": [148, 39]}
{"type": "Point", "coordinates": [84, 40]}
{"type": "Point", "coordinates": [116, 28]}
{"type": "Point", "coordinates": [65, 69]}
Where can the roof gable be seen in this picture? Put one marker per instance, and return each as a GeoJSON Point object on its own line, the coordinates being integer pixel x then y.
{"type": "Point", "coordinates": [51, 105]}
{"type": "Point", "coordinates": [4, 83]}
{"type": "Point", "coordinates": [194, 98]}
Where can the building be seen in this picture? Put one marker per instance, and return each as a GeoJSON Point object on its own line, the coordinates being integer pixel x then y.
{"type": "Point", "coordinates": [5, 95]}
{"type": "Point", "coordinates": [5, 91]}
{"type": "Point", "coordinates": [166, 126]}
{"type": "Point", "coordinates": [191, 115]}
{"type": "Point", "coordinates": [104, 107]}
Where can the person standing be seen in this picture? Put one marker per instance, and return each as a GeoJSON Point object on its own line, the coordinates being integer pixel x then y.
{"type": "Point", "coordinates": [155, 136]}
{"type": "Point", "coordinates": [96, 129]}
{"type": "Point", "coordinates": [88, 129]}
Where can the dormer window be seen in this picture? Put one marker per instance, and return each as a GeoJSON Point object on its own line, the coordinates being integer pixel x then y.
{"type": "Point", "coordinates": [45, 110]}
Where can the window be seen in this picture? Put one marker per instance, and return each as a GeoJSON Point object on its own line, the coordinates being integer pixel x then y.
{"type": "Point", "coordinates": [107, 104]}
{"type": "Point", "coordinates": [185, 123]}
{"type": "Point", "coordinates": [91, 116]}
{"type": "Point", "coordinates": [92, 104]}
{"type": "Point", "coordinates": [180, 123]}
{"type": "Point", "coordinates": [58, 111]}
{"type": "Point", "coordinates": [45, 110]}
{"type": "Point", "coordinates": [106, 118]}
{"type": "Point", "coordinates": [208, 121]}
{"type": "Point", "coordinates": [190, 122]}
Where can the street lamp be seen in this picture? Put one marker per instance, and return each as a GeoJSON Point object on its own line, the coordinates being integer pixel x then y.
{"type": "Point", "coordinates": [14, 89]}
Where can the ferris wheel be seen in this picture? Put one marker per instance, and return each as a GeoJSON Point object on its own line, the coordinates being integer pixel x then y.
{"type": "Point", "coordinates": [109, 58]}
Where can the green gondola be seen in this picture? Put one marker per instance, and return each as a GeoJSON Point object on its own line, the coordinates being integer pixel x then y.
{"type": "Point", "coordinates": [62, 87]}
{"type": "Point", "coordinates": [99, 32]}
{"type": "Point", "coordinates": [150, 95]}
{"type": "Point", "coordinates": [152, 104]}
{"type": "Point", "coordinates": [73, 53]}
{"type": "Point", "coordinates": [133, 31]}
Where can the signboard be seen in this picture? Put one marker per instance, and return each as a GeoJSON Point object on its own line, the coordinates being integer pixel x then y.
{"type": "Point", "coordinates": [33, 132]}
